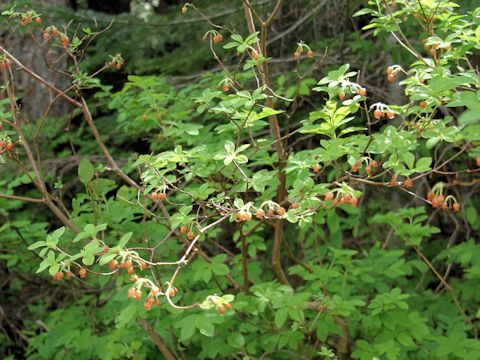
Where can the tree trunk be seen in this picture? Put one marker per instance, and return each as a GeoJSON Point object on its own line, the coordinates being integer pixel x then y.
{"type": "Point", "coordinates": [34, 97]}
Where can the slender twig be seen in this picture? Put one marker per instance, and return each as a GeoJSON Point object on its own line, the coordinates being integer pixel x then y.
{"type": "Point", "coordinates": [23, 198]}
{"type": "Point", "coordinates": [246, 280]}
{"type": "Point", "coordinates": [406, 44]}
{"type": "Point", "coordinates": [298, 23]}
{"type": "Point", "coordinates": [273, 15]}
{"type": "Point", "coordinates": [183, 260]}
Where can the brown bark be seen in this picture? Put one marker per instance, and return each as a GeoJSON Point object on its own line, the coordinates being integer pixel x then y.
{"type": "Point", "coordinates": [34, 97]}
{"type": "Point", "coordinates": [157, 340]}
{"type": "Point", "coordinates": [274, 131]}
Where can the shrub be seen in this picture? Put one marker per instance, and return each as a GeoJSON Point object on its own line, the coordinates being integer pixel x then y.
{"type": "Point", "coordinates": [255, 225]}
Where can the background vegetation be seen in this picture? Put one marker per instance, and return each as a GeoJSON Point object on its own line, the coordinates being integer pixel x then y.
{"type": "Point", "coordinates": [240, 179]}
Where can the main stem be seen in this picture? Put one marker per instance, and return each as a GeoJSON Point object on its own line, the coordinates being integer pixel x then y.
{"type": "Point", "coordinates": [261, 48]}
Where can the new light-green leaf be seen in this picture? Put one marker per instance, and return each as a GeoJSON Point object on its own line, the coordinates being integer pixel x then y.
{"type": "Point", "coordinates": [85, 171]}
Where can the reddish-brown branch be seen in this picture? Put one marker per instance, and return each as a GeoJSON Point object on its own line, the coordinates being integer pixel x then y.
{"type": "Point", "coordinates": [23, 198]}
{"type": "Point", "coordinates": [39, 181]}
{"type": "Point", "coordinates": [246, 281]}
{"type": "Point", "coordinates": [86, 112]}
{"type": "Point", "coordinates": [447, 286]}
{"type": "Point", "coordinates": [275, 11]}
{"type": "Point", "coordinates": [115, 168]}
{"type": "Point", "coordinates": [37, 77]}
{"type": "Point", "coordinates": [296, 260]}
{"type": "Point", "coordinates": [157, 340]}
{"type": "Point", "coordinates": [275, 133]}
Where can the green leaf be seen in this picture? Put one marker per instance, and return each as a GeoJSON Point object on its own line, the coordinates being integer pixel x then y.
{"type": "Point", "coordinates": [219, 259]}
{"type": "Point", "coordinates": [205, 326]}
{"type": "Point", "coordinates": [241, 159]}
{"type": "Point", "coordinates": [228, 298]}
{"type": "Point", "coordinates": [236, 340]}
{"type": "Point", "coordinates": [47, 262]}
{"type": "Point", "coordinates": [126, 315]}
{"type": "Point", "coordinates": [85, 171]}
{"type": "Point", "coordinates": [187, 332]}
{"type": "Point", "coordinates": [54, 268]}
{"type": "Point", "coordinates": [280, 317]}
{"type": "Point", "coordinates": [43, 265]}
{"type": "Point", "coordinates": [93, 247]}
{"type": "Point", "coordinates": [230, 45]}
{"type": "Point", "coordinates": [80, 236]}
{"type": "Point", "coordinates": [442, 83]}
{"type": "Point", "coordinates": [228, 160]}
{"type": "Point", "coordinates": [238, 38]}
{"type": "Point", "coordinates": [229, 147]}
{"type": "Point", "coordinates": [409, 159]}
{"type": "Point", "coordinates": [105, 259]}
{"type": "Point", "coordinates": [242, 148]}
{"type": "Point", "coordinates": [100, 227]}
{"type": "Point", "coordinates": [472, 217]}
{"type": "Point", "coordinates": [432, 142]}
{"type": "Point", "coordinates": [470, 117]}
{"type": "Point", "coordinates": [220, 269]}
{"type": "Point", "coordinates": [37, 245]}
{"type": "Point", "coordinates": [124, 240]}
{"type": "Point", "coordinates": [238, 203]}
{"type": "Point", "coordinates": [423, 164]}
{"type": "Point", "coordinates": [57, 234]}
{"type": "Point", "coordinates": [88, 259]}
{"type": "Point", "coordinates": [185, 210]}
{"type": "Point", "coordinates": [363, 11]}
